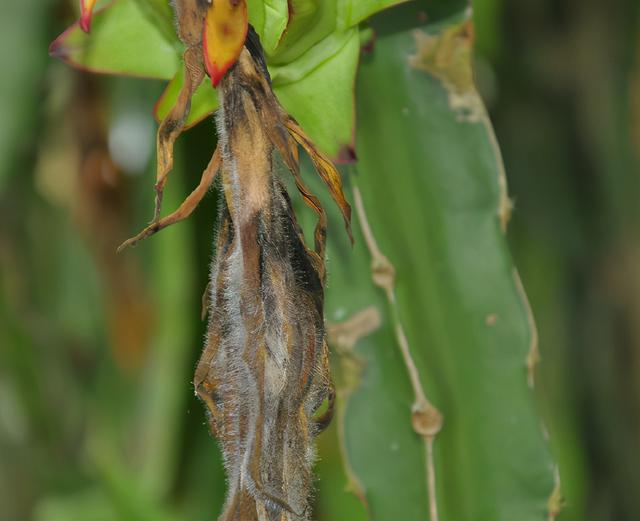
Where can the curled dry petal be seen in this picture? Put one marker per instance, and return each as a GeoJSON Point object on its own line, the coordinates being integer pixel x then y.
{"type": "Point", "coordinates": [325, 169]}
{"type": "Point", "coordinates": [225, 31]}
{"type": "Point", "coordinates": [86, 11]}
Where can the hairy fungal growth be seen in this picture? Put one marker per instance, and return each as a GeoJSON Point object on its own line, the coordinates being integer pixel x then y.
{"type": "Point", "coordinates": [264, 372]}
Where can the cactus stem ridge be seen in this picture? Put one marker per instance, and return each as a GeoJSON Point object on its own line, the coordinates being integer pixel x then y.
{"type": "Point", "coordinates": [556, 501]}
{"type": "Point", "coordinates": [533, 355]}
{"type": "Point", "coordinates": [426, 419]}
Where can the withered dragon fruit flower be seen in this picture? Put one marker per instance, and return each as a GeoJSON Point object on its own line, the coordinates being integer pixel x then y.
{"type": "Point", "coordinates": [264, 372]}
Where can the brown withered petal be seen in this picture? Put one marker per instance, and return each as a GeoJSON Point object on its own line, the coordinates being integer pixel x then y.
{"type": "Point", "coordinates": [190, 20]}
{"type": "Point", "coordinates": [185, 209]}
{"type": "Point", "coordinates": [325, 168]}
{"type": "Point", "coordinates": [173, 123]}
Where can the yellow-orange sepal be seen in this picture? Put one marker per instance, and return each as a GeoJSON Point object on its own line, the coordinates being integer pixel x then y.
{"type": "Point", "coordinates": [225, 30]}
{"type": "Point", "coordinates": [86, 11]}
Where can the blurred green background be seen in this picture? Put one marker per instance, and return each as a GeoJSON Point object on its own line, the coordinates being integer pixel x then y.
{"type": "Point", "coordinates": [97, 416]}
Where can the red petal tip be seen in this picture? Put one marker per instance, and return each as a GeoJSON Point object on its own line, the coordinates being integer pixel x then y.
{"type": "Point", "coordinates": [86, 10]}
{"type": "Point", "coordinates": [217, 74]}
{"type": "Point", "coordinates": [55, 49]}
{"type": "Point", "coordinates": [85, 22]}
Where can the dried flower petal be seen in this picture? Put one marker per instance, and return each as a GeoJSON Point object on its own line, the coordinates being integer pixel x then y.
{"type": "Point", "coordinates": [326, 170]}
